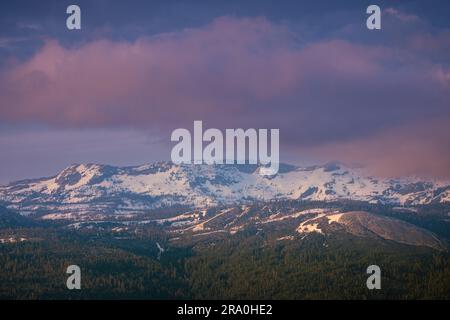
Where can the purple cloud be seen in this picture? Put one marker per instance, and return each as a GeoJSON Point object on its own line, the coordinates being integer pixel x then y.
{"type": "Point", "coordinates": [242, 72]}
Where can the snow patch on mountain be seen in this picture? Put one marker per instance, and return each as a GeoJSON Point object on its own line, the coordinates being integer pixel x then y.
{"type": "Point", "coordinates": [99, 189]}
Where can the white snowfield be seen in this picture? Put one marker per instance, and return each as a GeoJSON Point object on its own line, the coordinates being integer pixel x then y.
{"type": "Point", "coordinates": [311, 225]}
{"type": "Point", "coordinates": [99, 189]}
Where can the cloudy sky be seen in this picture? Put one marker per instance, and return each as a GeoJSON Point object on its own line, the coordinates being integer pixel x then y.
{"type": "Point", "coordinates": [114, 91]}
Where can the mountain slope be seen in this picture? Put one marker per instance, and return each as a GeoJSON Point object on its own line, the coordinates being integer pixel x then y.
{"type": "Point", "coordinates": [365, 224]}
{"type": "Point", "coordinates": [11, 219]}
{"type": "Point", "coordinates": [98, 189]}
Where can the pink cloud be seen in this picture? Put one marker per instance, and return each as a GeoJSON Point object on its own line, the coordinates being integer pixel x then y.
{"type": "Point", "coordinates": [229, 64]}
{"type": "Point", "coordinates": [419, 149]}
{"type": "Point", "coordinates": [238, 73]}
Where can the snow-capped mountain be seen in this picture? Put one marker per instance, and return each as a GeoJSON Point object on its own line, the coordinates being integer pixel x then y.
{"type": "Point", "coordinates": [103, 189]}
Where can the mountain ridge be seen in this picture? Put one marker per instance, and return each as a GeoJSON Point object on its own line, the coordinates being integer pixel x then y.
{"type": "Point", "coordinates": [110, 189]}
